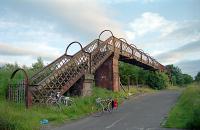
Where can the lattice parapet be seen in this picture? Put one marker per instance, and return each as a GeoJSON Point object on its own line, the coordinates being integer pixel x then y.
{"type": "Point", "coordinates": [49, 69]}
{"type": "Point", "coordinates": [131, 51]}
{"type": "Point", "coordinates": [92, 46]}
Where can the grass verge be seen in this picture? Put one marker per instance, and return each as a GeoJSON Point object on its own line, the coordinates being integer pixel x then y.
{"type": "Point", "coordinates": [15, 117]}
{"type": "Point", "coordinates": [186, 112]}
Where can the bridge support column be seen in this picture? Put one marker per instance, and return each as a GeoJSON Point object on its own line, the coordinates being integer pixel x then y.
{"type": "Point", "coordinates": [107, 75]}
{"type": "Point", "coordinates": [88, 84]}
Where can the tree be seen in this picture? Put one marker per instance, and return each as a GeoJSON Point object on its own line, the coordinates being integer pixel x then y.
{"type": "Point", "coordinates": [155, 80]}
{"type": "Point", "coordinates": [177, 77]}
{"type": "Point", "coordinates": [10, 67]}
{"type": "Point", "coordinates": [158, 80]}
{"type": "Point", "coordinates": [187, 78]}
{"type": "Point", "coordinates": [197, 77]}
{"type": "Point", "coordinates": [38, 65]}
{"type": "Point", "coordinates": [128, 71]}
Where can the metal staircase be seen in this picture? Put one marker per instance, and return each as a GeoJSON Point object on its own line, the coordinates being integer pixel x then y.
{"type": "Point", "coordinates": [61, 74]}
{"type": "Point", "coordinates": [65, 71]}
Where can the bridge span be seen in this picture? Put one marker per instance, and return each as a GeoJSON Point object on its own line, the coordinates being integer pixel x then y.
{"type": "Point", "coordinates": [98, 63]}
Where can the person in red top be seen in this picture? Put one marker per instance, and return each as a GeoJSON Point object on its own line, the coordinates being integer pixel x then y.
{"type": "Point", "coordinates": [114, 103]}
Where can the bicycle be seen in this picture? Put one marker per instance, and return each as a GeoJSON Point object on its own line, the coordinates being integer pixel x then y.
{"type": "Point", "coordinates": [56, 99]}
{"type": "Point", "coordinates": [103, 106]}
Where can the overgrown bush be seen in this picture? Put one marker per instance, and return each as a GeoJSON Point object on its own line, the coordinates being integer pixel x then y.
{"type": "Point", "coordinates": [157, 80]}
{"type": "Point", "coordinates": [137, 75]}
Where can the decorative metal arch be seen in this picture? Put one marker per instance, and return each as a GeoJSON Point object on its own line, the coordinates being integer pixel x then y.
{"type": "Point", "coordinates": [24, 72]}
{"type": "Point", "coordinates": [141, 50]}
{"type": "Point", "coordinates": [74, 43]}
{"type": "Point", "coordinates": [124, 40]}
{"type": "Point", "coordinates": [133, 46]}
{"type": "Point", "coordinates": [28, 97]}
{"type": "Point", "coordinates": [128, 45]}
{"type": "Point", "coordinates": [82, 51]}
{"type": "Point", "coordinates": [147, 54]}
{"type": "Point", "coordinates": [102, 33]}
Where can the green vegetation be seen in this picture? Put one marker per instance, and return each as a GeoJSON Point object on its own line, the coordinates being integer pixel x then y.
{"type": "Point", "coordinates": [38, 65]}
{"type": "Point", "coordinates": [197, 77]}
{"type": "Point", "coordinates": [131, 74]}
{"type": "Point", "coordinates": [8, 69]}
{"type": "Point", "coordinates": [186, 112]}
{"type": "Point", "coordinates": [135, 75]}
{"type": "Point", "coordinates": [17, 117]}
{"type": "Point", "coordinates": [177, 77]}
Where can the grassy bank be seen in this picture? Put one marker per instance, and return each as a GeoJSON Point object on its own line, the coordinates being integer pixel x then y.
{"type": "Point", "coordinates": [186, 112]}
{"type": "Point", "coordinates": [16, 117]}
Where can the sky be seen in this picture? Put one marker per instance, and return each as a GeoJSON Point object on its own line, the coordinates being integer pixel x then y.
{"type": "Point", "coordinates": [168, 30]}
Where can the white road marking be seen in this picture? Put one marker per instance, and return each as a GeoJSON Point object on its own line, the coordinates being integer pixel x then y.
{"type": "Point", "coordinates": [113, 123]}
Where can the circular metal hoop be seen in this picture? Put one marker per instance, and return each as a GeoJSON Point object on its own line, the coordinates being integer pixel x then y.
{"type": "Point", "coordinates": [133, 46]}
{"type": "Point", "coordinates": [102, 33]}
{"type": "Point", "coordinates": [26, 75]}
{"type": "Point", "coordinates": [124, 40]}
{"type": "Point", "coordinates": [147, 54]}
{"type": "Point", "coordinates": [141, 50]}
{"type": "Point", "coordinates": [73, 43]}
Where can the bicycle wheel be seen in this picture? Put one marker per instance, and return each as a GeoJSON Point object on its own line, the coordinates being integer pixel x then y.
{"type": "Point", "coordinates": [109, 107]}
{"type": "Point", "coordinates": [99, 110]}
{"type": "Point", "coordinates": [70, 102]}
{"type": "Point", "coordinates": [53, 103]}
{"type": "Point", "coordinates": [49, 101]}
{"type": "Point", "coordinates": [56, 104]}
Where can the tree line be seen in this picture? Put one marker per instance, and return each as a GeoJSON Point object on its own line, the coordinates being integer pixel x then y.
{"type": "Point", "coordinates": [133, 75]}
{"type": "Point", "coordinates": [130, 74]}
{"type": "Point", "coordinates": [34, 67]}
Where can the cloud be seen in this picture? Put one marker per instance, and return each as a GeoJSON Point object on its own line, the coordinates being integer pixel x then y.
{"type": "Point", "coordinates": [188, 51]}
{"type": "Point", "coordinates": [7, 24]}
{"type": "Point", "coordinates": [31, 30]}
{"type": "Point", "coordinates": [127, 1]}
{"type": "Point", "coordinates": [190, 67]}
{"type": "Point", "coordinates": [30, 39]}
{"type": "Point", "coordinates": [31, 49]}
{"type": "Point", "coordinates": [169, 41]}
{"type": "Point", "coordinates": [186, 31]}
{"type": "Point", "coordinates": [150, 22]}
{"type": "Point", "coordinates": [90, 16]}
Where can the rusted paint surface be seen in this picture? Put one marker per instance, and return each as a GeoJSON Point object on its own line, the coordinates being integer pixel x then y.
{"type": "Point", "coordinates": [107, 75]}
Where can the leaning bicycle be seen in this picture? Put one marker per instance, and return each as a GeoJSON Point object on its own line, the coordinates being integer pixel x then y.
{"type": "Point", "coordinates": [103, 106]}
{"type": "Point", "coordinates": [56, 99]}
